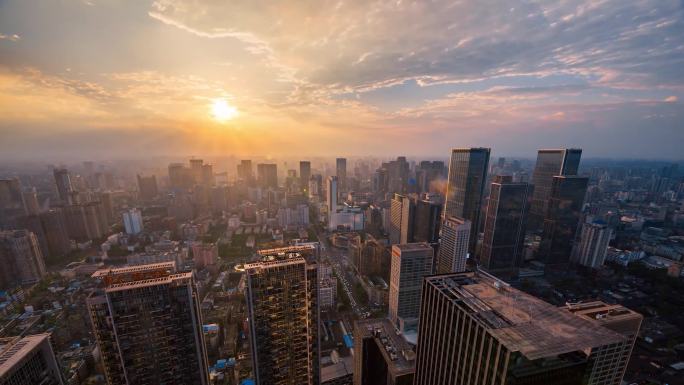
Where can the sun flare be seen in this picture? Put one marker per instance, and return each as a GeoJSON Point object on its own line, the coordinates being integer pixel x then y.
{"type": "Point", "coordinates": [222, 111]}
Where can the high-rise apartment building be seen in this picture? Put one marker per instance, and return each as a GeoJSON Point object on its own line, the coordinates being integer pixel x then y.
{"type": "Point", "coordinates": [196, 170]}
{"type": "Point", "coordinates": [180, 177]}
{"type": "Point", "coordinates": [304, 175]}
{"type": "Point", "coordinates": [475, 329]}
{"type": "Point", "coordinates": [427, 221]}
{"type": "Point", "coordinates": [409, 264]}
{"type": "Point", "coordinates": [592, 247]}
{"type": "Point", "coordinates": [282, 302]}
{"type": "Point", "coordinates": [562, 219]}
{"type": "Point", "coordinates": [402, 211]}
{"type": "Point", "coordinates": [550, 163]}
{"type": "Point", "coordinates": [148, 325]}
{"type": "Point", "coordinates": [465, 187]}
{"type": "Point", "coordinates": [341, 172]}
{"type": "Point", "coordinates": [29, 360]}
{"type": "Point", "coordinates": [55, 230]}
{"type": "Point", "coordinates": [11, 202]}
{"type": "Point", "coordinates": [21, 259]}
{"type": "Point", "coordinates": [267, 175]}
{"type": "Point", "coordinates": [133, 222]}
{"type": "Point", "coordinates": [505, 224]}
{"type": "Point", "coordinates": [381, 356]}
{"type": "Point", "coordinates": [610, 362]}
{"type": "Point", "coordinates": [147, 187]}
{"type": "Point", "coordinates": [63, 182]}
{"type": "Point", "coordinates": [453, 248]}
{"type": "Point", "coordinates": [244, 171]}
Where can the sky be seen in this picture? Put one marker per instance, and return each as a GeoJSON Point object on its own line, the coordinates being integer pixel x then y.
{"type": "Point", "coordinates": [129, 79]}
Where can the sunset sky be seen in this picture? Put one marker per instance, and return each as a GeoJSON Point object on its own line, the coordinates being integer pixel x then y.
{"type": "Point", "coordinates": [105, 78]}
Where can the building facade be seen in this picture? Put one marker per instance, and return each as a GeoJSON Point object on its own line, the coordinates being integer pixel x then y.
{"type": "Point", "coordinates": [550, 163]}
{"type": "Point", "coordinates": [29, 360]}
{"type": "Point", "coordinates": [453, 248]}
{"type": "Point", "coordinates": [21, 259]}
{"type": "Point", "coordinates": [410, 263]}
{"type": "Point", "coordinates": [402, 211]}
{"type": "Point", "coordinates": [593, 244]}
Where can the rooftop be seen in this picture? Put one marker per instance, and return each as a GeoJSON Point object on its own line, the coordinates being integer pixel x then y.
{"type": "Point", "coordinates": [13, 351]}
{"type": "Point", "coordinates": [520, 321]}
{"type": "Point", "coordinates": [133, 269]}
{"type": "Point", "coordinates": [413, 246]}
{"type": "Point", "coordinates": [149, 282]}
{"type": "Point", "coordinates": [398, 353]}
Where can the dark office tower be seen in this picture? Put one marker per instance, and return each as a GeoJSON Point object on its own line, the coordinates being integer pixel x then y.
{"type": "Point", "coordinates": [29, 360]}
{"type": "Point", "coordinates": [562, 218]}
{"type": "Point", "coordinates": [402, 211]}
{"type": "Point", "coordinates": [63, 182]}
{"type": "Point", "coordinates": [475, 329]}
{"type": "Point", "coordinates": [427, 174]}
{"type": "Point", "coordinates": [147, 187]}
{"type": "Point", "coordinates": [611, 362]}
{"type": "Point", "coordinates": [398, 175]}
{"type": "Point", "coordinates": [505, 222]}
{"type": "Point", "coordinates": [11, 202]}
{"type": "Point", "coordinates": [427, 221]}
{"type": "Point", "coordinates": [453, 248]}
{"type": "Point", "coordinates": [148, 325]}
{"type": "Point", "coordinates": [501, 162]}
{"type": "Point", "coordinates": [410, 263]}
{"type": "Point", "coordinates": [245, 172]}
{"type": "Point", "coordinates": [20, 257]}
{"type": "Point", "coordinates": [341, 172]}
{"type": "Point", "coordinates": [282, 302]}
{"type": "Point", "coordinates": [465, 187]}
{"type": "Point", "coordinates": [55, 232]}
{"type": "Point", "coordinates": [381, 356]}
{"type": "Point", "coordinates": [550, 163]}
{"type": "Point", "coordinates": [304, 175]}
{"type": "Point", "coordinates": [267, 175]}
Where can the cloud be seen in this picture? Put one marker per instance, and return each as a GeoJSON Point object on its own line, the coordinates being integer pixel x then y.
{"type": "Point", "coordinates": [671, 99]}
{"type": "Point", "coordinates": [13, 37]}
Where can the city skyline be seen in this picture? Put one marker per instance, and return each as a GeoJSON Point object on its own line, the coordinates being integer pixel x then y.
{"type": "Point", "coordinates": [170, 77]}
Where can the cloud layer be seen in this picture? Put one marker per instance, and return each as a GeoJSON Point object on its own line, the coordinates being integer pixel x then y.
{"type": "Point", "coordinates": [347, 77]}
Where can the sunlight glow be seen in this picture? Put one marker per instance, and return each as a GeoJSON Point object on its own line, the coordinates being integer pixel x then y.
{"type": "Point", "coordinates": [222, 111]}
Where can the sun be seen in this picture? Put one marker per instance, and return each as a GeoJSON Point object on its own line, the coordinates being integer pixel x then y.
{"type": "Point", "coordinates": [222, 111]}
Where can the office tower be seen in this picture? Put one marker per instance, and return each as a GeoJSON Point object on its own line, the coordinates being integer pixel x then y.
{"type": "Point", "coordinates": [304, 174]}
{"type": "Point", "coordinates": [610, 362]}
{"type": "Point", "coordinates": [147, 187]}
{"type": "Point", "coordinates": [562, 217]}
{"type": "Point", "coordinates": [505, 223]}
{"type": "Point", "coordinates": [397, 175]}
{"type": "Point", "coordinates": [245, 172]}
{"type": "Point", "coordinates": [427, 173]}
{"type": "Point", "coordinates": [427, 221]}
{"type": "Point", "coordinates": [453, 248]}
{"type": "Point", "coordinates": [267, 175]}
{"type": "Point", "coordinates": [501, 163]}
{"type": "Point", "coordinates": [55, 230]}
{"type": "Point", "coordinates": [63, 182]}
{"type": "Point", "coordinates": [465, 187]}
{"type": "Point", "coordinates": [20, 257]}
{"type": "Point", "coordinates": [402, 211]}
{"type": "Point", "coordinates": [341, 173]}
{"type": "Point", "coordinates": [593, 244]}
{"type": "Point", "coordinates": [31, 205]}
{"type": "Point", "coordinates": [475, 329]}
{"type": "Point", "coordinates": [133, 222]}
{"type": "Point", "coordinates": [29, 360]}
{"type": "Point", "coordinates": [550, 163]}
{"type": "Point", "coordinates": [410, 263]}
{"type": "Point", "coordinates": [148, 325]}
{"type": "Point", "coordinates": [282, 302]}
{"type": "Point", "coordinates": [381, 356]}
{"type": "Point", "coordinates": [331, 194]}
{"type": "Point", "coordinates": [196, 170]}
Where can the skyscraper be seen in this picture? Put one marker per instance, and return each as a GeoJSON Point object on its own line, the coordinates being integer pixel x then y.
{"type": "Point", "coordinates": [562, 218]}
{"type": "Point", "coordinates": [331, 194]}
{"type": "Point", "coordinates": [55, 230]}
{"type": "Point", "coordinates": [147, 187]}
{"type": "Point", "coordinates": [410, 263]}
{"type": "Point", "coordinates": [29, 360]}
{"type": "Point", "coordinates": [610, 361]}
{"type": "Point", "coordinates": [304, 175]}
{"type": "Point", "coordinates": [593, 244]}
{"type": "Point", "coordinates": [63, 182]}
{"type": "Point", "coordinates": [148, 325]}
{"type": "Point", "coordinates": [11, 202]}
{"type": "Point", "coordinates": [475, 329]}
{"type": "Point", "coordinates": [427, 221]}
{"type": "Point", "coordinates": [505, 223]}
{"type": "Point", "coordinates": [282, 302]}
{"type": "Point", "coordinates": [244, 171]}
{"type": "Point", "coordinates": [381, 356]}
{"type": "Point", "coordinates": [453, 248]}
{"type": "Point", "coordinates": [402, 211]}
{"type": "Point", "coordinates": [550, 163]}
{"type": "Point", "coordinates": [20, 257]}
{"type": "Point", "coordinates": [132, 220]}
{"type": "Point", "coordinates": [465, 187]}
{"type": "Point", "coordinates": [341, 172]}
{"type": "Point", "coordinates": [267, 175]}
